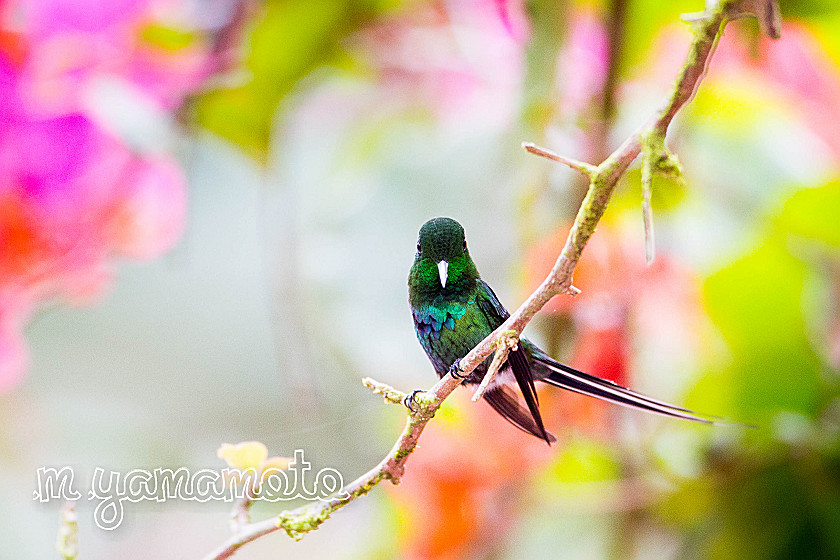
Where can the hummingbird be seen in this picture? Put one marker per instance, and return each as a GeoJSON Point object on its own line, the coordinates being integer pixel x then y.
{"type": "Point", "coordinates": [454, 310]}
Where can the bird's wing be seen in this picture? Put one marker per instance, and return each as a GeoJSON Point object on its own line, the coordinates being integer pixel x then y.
{"type": "Point", "coordinates": [506, 404]}
{"type": "Point", "coordinates": [517, 359]}
{"type": "Point", "coordinates": [561, 375]}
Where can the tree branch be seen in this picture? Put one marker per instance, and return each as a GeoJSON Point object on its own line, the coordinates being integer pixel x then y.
{"type": "Point", "coordinates": [603, 180]}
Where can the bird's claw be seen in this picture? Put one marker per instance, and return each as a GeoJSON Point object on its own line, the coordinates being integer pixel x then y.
{"type": "Point", "coordinates": [456, 371]}
{"type": "Point", "coordinates": [408, 401]}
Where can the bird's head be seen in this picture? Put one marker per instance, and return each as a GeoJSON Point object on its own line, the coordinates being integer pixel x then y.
{"type": "Point", "coordinates": [442, 261]}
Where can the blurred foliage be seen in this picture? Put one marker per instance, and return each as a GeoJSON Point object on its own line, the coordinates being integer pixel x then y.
{"type": "Point", "coordinates": [288, 41]}
{"type": "Point", "coordinates": [812, 214]}
{"type": "Point", "coordinates": [777, 493]}
{"type": "Point", "coordinates": [826, 29]}
{"type": "Point", "coordinates": [166, 37]}
{"type": "Point", "coordinates": [666, 194]}
{"type": "Point", "coordinates": [581, 461]}
{"type": "Point", "coordinates": [817, 9]}
{"type": "Point", "coordinates": [645, 20]}
{"type": "Point", "coordinates": [756, 303]}
{"type": "Point", "coordinates": [540, 60]}
{"type": "Point", "coordinates": [760, 509]}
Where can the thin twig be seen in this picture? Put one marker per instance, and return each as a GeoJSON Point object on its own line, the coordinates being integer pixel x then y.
{"type": "Point", "coordinates": [647, 212]}
{"type": "Point", "coordinates": [585, 168]}
{"type": "Point", "coordinates": [603, 179]}
{"type": "Point", "coordinates": [240, 516]}
{"type": "Point", "coordinates": [506, 342]}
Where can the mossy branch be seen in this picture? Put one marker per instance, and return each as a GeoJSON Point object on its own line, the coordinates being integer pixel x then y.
{"type": "Point", "coordinates": [648, 138]}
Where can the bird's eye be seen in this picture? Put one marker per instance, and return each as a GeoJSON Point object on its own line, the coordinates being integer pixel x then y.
{"type": "Point", "coordinates": [465, 245]}
{"type": "Point", "coordinates": [419, 250]}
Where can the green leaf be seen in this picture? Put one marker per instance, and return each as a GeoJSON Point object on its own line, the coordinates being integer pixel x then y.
{"type": "Point", "coordinates": [167, 38]}
{"type": "Point", "coordinates": [762, 514]}
{"type": "Point", "coordinates": [813, 213]}
{"type": "Point", "coordinates": [809, 9]}
{"type": "Point", "coordinates": [825, 28]}
{"type": "Point", "coordinates": [666, 194]}
{"type": "Point", "coordinates": [756, 304]}
{"type": "Point", "coordinates": [583, 461]}
{"type": "Point", "coordinates": [645, 21]}
{"type": "Point", "coordinates": [749, 508]}
{"type": "Point", "coordinates": [549, 21]}
{"type": "Point", "coordinates": [292, 39]}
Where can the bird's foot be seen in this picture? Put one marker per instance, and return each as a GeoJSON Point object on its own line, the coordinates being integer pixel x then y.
{"type": "Point", "coordinates": [409, 401]}
{"type": "Point", "coordinates": [456, 371]}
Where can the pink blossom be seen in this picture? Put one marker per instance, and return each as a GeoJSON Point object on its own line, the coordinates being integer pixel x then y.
{"type": "Point", "coordinates": [147, 218]}
{"type": "Point", "coordinates": [462, 59]}
{"type": "Point", "coordinates": [62, 16]}
{"type": "Point", "coordinates": [73, 194]}
{"type": "Point", "coordinates": [582, 64]}
{"type": "Point", "coordinates": [794, 70]}
{"type": "Point", "coordinates": [512, 15]}
{"type": "Point", "coordinates": [14, 356]}
{"type": "Point", "coordinates": [811, 82]}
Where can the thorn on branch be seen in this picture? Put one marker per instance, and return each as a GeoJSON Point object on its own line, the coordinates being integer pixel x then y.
{"type": "Point", "coordinates": [656, 158]}
{"type": "Point", "coordinates": [695, 17]}
{"type": "Point", "coordinates": [240, 515]}
{"type": "Point", "coordinates": [585, 168]}
{"type": "Point", "coordinates": [765, 11]}
{"type": "Point", "coordinates": [506, 342]}
{"type": "Point", "coordinates": [647, 213]}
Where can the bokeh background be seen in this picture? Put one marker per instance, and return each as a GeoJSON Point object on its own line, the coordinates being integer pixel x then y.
{"type": "Point", "coordinates": [208, 209]}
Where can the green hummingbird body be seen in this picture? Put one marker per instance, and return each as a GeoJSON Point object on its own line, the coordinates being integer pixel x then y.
{"type": "Point", "coordinates": [454, 310]}
{"type": "Point", "coordinates": [448, 330]}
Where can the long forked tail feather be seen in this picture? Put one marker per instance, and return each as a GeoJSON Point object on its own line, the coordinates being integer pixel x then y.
{"type": "Point", "coordinates": [506, 404]}
{"type": "Point", "coordinates": [569, 378]}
